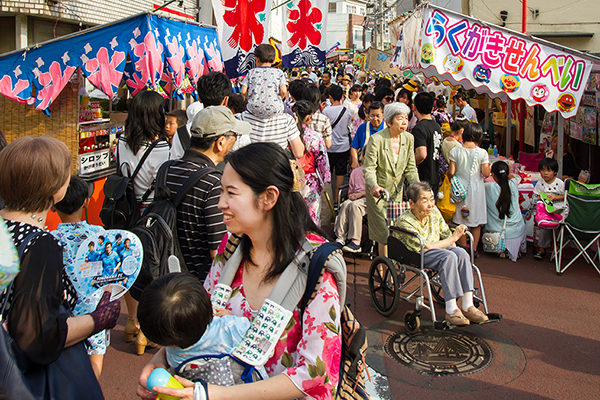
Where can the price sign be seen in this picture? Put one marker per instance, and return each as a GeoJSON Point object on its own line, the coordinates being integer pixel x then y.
{"type": "Point", "coordinates": [92, 162]}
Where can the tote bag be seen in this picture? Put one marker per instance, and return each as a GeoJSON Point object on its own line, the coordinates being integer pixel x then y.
{"type": "Point", "coordinates": [457, 190]}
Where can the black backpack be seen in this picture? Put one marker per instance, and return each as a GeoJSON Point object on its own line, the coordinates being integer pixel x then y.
{"type": "Point", "coordinates": [120, 208]}
{"type": "Point", "coordinates": [157, 229]}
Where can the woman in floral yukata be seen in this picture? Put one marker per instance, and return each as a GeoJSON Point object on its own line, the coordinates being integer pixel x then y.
{"type": "Point", "coordinates": [262, 204]}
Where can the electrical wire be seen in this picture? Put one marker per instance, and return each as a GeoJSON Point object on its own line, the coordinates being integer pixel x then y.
{"type": "Point", "coordinates": [490, 10]}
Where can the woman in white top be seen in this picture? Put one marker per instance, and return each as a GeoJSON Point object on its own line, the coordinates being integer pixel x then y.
{"type": "Point", "coordinates": [145, 124]}
{"type": "Point", "coordinates": [352, 103]}
{"type": "Point", "coordinates": [469, 162]}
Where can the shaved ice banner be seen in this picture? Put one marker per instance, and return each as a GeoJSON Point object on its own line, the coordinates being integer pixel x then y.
{"type": "Point", "coordinates": [242, 25]}
{"type": "Point", "coordinates": [162, 52]}
{"type": "Point", "coordinates": [304, 28]}
{"type": "Point", "coordinates": [497, 59]}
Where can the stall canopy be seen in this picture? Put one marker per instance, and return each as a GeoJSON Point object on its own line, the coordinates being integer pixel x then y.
{"type": "Point", "coordinates": [493, 60]}
{"type": "Point", "coordinates": [146, 50]}
{"type": "Point", "coordinates": [378, 62]}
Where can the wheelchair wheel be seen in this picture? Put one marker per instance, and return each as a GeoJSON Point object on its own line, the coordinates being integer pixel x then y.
{"type": "Point", "coordinates": [436, 288]}
{"type": "Point", "coordinates": [383, 286]}
{"type": "Point", "coordinates": [412, 322]}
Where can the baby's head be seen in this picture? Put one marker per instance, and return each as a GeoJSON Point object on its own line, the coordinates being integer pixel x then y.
{"type": "Point", "coordinates": [548, 168]}
{"type": "Point", "coordinates": [265, 53]}
{"type": "Point", "coordinates": [174, 310]}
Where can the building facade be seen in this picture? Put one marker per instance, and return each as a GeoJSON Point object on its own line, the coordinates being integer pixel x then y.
{"type": "Point", "coordinates": [345, 21]}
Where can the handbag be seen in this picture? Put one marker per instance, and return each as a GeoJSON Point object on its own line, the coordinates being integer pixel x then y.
{"type": "Point", "coordinates": [495, 242]}
{"type": "Point", "coordinates": [457, 191]}
{"type": "Point", "coordinates": [70, 377]}
{"type": "Point", "coordinates": [445, 205]}
{"type": "Point", "coordinates": [545, 219]}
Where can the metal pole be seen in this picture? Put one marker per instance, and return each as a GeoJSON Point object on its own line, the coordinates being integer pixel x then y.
{"type": "Point", "coordinates": [524, 17]}
{"type": "Point", "coordinates": [508, 125]}
{"type": "Point", "coordinates": [560, 146]}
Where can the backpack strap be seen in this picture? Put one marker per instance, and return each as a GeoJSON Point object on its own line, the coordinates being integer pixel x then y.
{"type": "Point", "coordinates": [191, 181]}
{"type": "Point", "coordinates": [339, 117]}
{"type": "Point", "coordinates": [163, 191]}
{"type": "Point", "coordinates": [184, 137]}
{"type": "Point", "coordinates": [142, 160]}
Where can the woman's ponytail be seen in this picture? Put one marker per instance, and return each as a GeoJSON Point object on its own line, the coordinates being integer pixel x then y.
{"type": "Point", "coordinates": [500, 170]}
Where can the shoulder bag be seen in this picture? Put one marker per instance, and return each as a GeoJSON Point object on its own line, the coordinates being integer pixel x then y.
{"type": "Point", "coordinates": [457, 191]}
{"type": "Point", "coordinates": [495, 242]}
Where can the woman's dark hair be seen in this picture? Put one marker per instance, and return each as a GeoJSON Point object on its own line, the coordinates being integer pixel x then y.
{"type": "Point", "coordinates": [459, 123]}
{"type": "Point", "coordinates": [77, 193]}
{"type": "Point", "coordinates": [548, 163]}
{"type": "Point", "coordinates": [384, 92]}
{"type": "Point", "coordinates": [174, 310]}
{"type": "Point", "coordinates": [312, 94]}
{"type": "Point", "coordinates": [440, 101]}
{"type": "Point", "coordinates": [415, 189]}
{"type": "Point", "coordinates": [302, 109]}
{"type": "Point", "coordinates": [405, 92]}
{"type": "Point", "coordinates": [259, 166]}
{"type": "Point", "coordinates": [145, 120]}
{"type": "Point", "coordinates": [367, 98]}
{"type": "Point", "coordinates": [355, 88]}
{"type": "Point", "coordinates": [473, 133]}
{"type": "Point", "coordinates": [297, 88]}
{"type": "Point", "coordinates": [500, 170]}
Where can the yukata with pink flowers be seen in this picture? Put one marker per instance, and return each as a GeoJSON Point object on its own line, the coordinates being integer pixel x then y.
{"type": "Point", "coordinates": [309, 350]}
{"type": "Point", "coordinates": [311, 192]}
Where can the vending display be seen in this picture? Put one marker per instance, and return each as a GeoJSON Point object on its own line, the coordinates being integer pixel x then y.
{"type": "Point", "coordinates": [97, 142]}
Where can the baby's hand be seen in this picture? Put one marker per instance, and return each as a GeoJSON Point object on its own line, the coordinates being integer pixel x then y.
{"type": "Point", "coordinates": [551, 197]}
{"type": "Point", "coordinates": [222, 312]}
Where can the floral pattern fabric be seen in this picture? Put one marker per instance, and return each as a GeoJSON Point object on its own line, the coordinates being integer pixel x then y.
{"type": "Point", "coordinates": [309, 349]}
{"type": "Point", "coordinates": [311, 192]}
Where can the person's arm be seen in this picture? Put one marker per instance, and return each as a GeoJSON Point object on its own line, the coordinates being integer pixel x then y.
{"type": "Point", "coordinates": [297, 147]}
{"type": "Point", "coordinates": [420, 154]}
{"type": "Point", "coordinates": [449, 241]}
{"type": "Point", "coordinates": [79, 328]}
{"type": "Point", "coordinates": [356, 196]}
{"type": "Point", "coordinates": [411, 173]}
{"type": "Point", "coordinates": [451, 169]}
{"type": "Point", "coordinates": [283, 91]}
{"type": "Point", "coordinates": [370, 165]}
{"type": "Point", "coordinates": [354, 158]}
{"type": "Point", "coordinates": [486, 169]}
{"type": "Point", "coordinates": [244, 91]}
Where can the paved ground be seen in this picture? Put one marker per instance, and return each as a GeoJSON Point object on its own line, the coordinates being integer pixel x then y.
{"type": "Point", "coordinates": [546, 347]}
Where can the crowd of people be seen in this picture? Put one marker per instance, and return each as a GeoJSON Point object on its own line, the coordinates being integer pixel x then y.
{"type": "Point", "coordinates": [272, 150]}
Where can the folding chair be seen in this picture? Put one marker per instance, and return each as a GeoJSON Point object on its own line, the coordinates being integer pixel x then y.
{"type": "Point", "coordinates": [581, 224]}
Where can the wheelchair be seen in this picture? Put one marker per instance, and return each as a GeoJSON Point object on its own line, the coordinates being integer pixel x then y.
{"type": "Point", "coordinates": [390, 280]}
{"type": "Point", "coordinates": [368, 248]}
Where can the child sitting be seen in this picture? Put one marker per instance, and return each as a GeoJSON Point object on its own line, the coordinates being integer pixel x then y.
{"type": "Point", "coordinates": [71, 233]}
{"type": "Point", "coordinates": [175, 311]}
{"type": "Point", "coordinates": [264, 86]}
{"type": "Point", "coordinates": [554, 188]}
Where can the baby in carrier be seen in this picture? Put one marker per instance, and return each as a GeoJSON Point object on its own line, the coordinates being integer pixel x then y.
{"type": "Point", "coordinates": [175, 311]}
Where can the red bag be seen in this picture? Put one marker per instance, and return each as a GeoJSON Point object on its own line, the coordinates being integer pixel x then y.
{"type": "Point", "coordinates": [545, 219]}
{"type": "Point", "coordinates": [307, 162]}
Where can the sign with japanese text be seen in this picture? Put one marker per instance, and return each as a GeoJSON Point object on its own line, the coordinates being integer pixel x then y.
{"type": "Point", "coordinates": [496, 59]}
{"type": "Point", "coordinates": [304, 28]}
{"type": "Point", "coordinates": [92, 162]}
{"type": "Point", "coordinates": [242, 26]}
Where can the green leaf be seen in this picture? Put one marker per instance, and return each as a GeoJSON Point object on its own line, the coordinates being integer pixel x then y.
{"type": "Point", "coordinates": [290, 324]}
{"type": "Point", "coordinates": [331, 327]}
{"type": "Point", "coordinates": [332, 313]}
{"type": "Point", "coordinates": [321, 370]}
{"type": "Point", "coordinates": [312, 371]}
{"type": "Point", "coordinates": [318, 26]}
{"type": "Point", "coordinates": [234, 292]}
{"type": "Point", "coordinates": [287, 360]}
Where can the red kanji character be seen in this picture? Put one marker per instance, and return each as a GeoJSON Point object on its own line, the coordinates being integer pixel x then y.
{"type": "Point", "coordinates": [493, 50]}
{"type": "Point", "coordinates": [302, 23]}
{"type": "Point", "coordinates": [515, 50]}
{"type": "Point", "coordinates": [241, 15]}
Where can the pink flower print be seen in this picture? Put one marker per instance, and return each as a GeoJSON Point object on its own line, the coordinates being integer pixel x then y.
{"type": "Point", "coordinates": [213, 56]}
{"type": "Point", "coordinates": [222, 245]}
{"type": "Point", "coordinates": [322, 330]}
{"type": "Point", "coordinates": [102, 71]}
{"type": "Point", "coordinates": [309, 323]}
{"type": "Point", "coordinates": [302, 344]}
{"type": "Point", "coordinates": [332, 353]}
{"type": "Point", "coordinates": [294, 335]}
{"type": "Point", "coordinates": [7, 90]}
{"type": "Point", "coordinates": [149, 65]}
{"type": "Point", "coordinates": [195, 65]}
{"type": "Point", "coordinates": [53, 83]}
{"type": "Point", "coordinates": [317, 388]}
{"type": "Point", "coordinates": [175, 61]}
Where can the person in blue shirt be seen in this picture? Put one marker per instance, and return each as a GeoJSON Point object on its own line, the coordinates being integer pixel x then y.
{"type": "Point", "coordinates": [110, 261]}
{"type": "Point", "coordinates": [118, 244]}
{"type": "Point", "coordinates": [126, 251]}
{"type": "Point", "coordinates": [364, 132]}
{"type": "Point", "coordinates": [92, 254]}
{"type": "Point", "coordinates": [101, 246]}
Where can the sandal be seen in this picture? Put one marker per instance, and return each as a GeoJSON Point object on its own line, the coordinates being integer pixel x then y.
{"type": "Point", "coordinates": [132, 328]}
{"type": "Point", "coordinates": [141, 343]}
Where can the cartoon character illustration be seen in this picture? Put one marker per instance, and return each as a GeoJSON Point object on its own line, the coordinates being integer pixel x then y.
{"type": "Point", "coordinates": [427, 54]}
{"type": "Point", "coordinates": [509, 83]}
{"type": "Point", "coordinates": [453, 64]}
{"type": "Point", "coordinates": [566, 102]}
{"type": "Point", "coordinates": [540, 92]}
{"type": "Point", "coordinates": [482, 73]}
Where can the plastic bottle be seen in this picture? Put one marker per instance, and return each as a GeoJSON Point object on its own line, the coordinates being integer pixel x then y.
{"type": "Point", "coordinates": [495, 151]}
{"type": "Point", "coordinates": [160, 377]}
{"type": "Point", "coordinates": [490, 150]}
{"type": "Point", "coordinates": [511, 165]}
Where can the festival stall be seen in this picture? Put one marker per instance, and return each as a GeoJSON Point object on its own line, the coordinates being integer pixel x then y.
{"type": "Point", "coordinates": [43, 86]}
{"type": "Point", "coordinates": [505, 66]}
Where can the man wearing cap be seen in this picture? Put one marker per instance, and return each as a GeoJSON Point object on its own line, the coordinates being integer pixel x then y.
{"type": "Point", "coordinates": [200, 225]}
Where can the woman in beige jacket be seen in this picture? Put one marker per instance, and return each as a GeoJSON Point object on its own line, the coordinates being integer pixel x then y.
{"type": "Point", "coordinates": [389, 158]}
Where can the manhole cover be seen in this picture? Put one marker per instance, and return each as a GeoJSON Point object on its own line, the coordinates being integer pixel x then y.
{"type": "Point", "coordinates": [439, 352]}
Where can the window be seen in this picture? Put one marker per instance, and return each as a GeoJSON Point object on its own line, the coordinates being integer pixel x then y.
{"type": "Point", "coordinates": [367, 37]}
{"type": "Point", "coordinates": [332, 7]}
{"type": "Point", "coordinates": [358, 36]}
{"type": "Point", "coordinates": [351, 9]}
{"type": "Point", "coordinates": [361, 11]}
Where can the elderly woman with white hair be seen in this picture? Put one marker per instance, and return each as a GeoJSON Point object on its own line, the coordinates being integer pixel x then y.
{"type": "Point", "coordinates": [389, 158]}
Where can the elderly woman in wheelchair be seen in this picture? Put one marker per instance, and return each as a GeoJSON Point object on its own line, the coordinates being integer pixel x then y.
{"type": "Point", "coordinates": [452, 263]}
